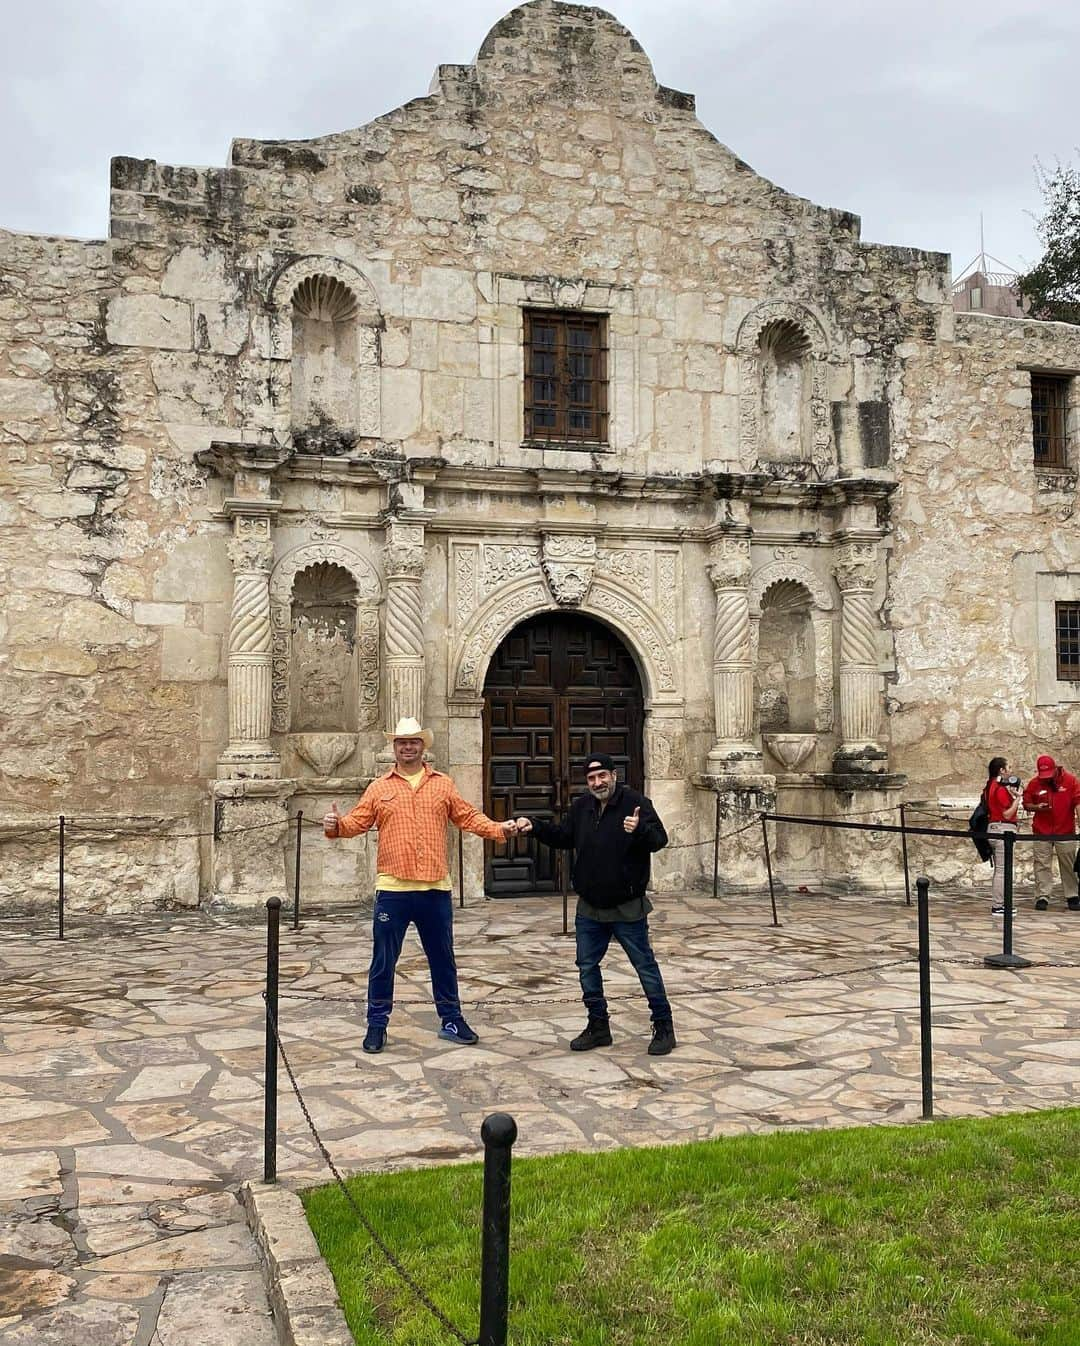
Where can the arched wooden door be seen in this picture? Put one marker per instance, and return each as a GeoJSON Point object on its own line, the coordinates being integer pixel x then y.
{"type": "Point", "coordinates": [559, 688]}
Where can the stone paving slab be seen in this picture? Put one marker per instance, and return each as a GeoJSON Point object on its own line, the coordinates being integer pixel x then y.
{"type": "Point", "coordinates": [131, 1065]}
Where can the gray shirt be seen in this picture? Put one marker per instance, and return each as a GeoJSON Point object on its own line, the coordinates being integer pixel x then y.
{"type": "Point", "coordinates": [634, 910]}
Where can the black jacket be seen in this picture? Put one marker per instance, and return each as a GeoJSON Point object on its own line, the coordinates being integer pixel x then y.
{"type": "Point", "coordinates": [611, 865]}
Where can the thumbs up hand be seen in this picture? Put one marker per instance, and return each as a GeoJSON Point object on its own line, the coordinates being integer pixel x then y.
{"type": "Point", "coordinates": [330, 821]}
{"type": "Point", "coordinates": [631, 821]}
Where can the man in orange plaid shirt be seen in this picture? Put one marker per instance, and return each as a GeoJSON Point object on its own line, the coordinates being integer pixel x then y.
{"type": "Point", "coordinates": [411, 805]}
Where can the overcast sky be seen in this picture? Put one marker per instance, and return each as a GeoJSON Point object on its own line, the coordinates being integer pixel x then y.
{"type": "Point", "coordinates": [918, 117]}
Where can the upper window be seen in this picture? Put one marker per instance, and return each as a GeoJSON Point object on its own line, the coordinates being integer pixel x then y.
{"type": "Point", "coordinates": [565, 377]}
{"type": "Point", "coordinates": [1049, 399]}
{"type": "Point", "coordinates": [1067, 630]}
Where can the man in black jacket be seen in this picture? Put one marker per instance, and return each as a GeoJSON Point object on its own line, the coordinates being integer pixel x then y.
{"type": "Point", "coordinates": [612, 831]}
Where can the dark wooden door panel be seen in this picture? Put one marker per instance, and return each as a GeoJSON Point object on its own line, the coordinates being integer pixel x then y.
{"type": "Point", "coordinates": [560, 688]}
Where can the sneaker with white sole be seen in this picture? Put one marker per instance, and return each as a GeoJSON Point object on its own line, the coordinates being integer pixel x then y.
{"type": "Point", "coordinates": [457, 1030]}
{"type": "Point", "coordinates": [999, 910]}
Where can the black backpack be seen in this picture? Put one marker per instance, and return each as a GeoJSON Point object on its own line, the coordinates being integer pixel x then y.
{"type": "Point", "coordinates": [977, 825]}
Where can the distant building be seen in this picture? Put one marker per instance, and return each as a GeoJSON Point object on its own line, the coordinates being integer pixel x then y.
{"type": "Point", "coordinates": [994, 293]}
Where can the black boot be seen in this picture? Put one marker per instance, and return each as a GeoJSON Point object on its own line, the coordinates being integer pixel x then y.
{"type": "Point", "coordinates": [597, 1034]}
{"type": "Point", "coordinates": [663, 1038]}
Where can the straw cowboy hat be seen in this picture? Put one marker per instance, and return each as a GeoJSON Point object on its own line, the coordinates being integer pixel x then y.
{"type": "Point", "coordinates": [407, 727]}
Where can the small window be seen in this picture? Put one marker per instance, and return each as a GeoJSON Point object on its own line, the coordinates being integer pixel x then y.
{"type": "Point", "coordinates": [1048, 402]}
{"type": "Point", "coordinates": [565, 377]}
{"type": "Point", "coordinates": [1067, 624]}
{"type": "Point", "coordinates": [976, 296]}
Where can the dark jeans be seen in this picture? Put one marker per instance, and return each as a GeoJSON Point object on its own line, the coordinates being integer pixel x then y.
{"type": "Point", "coordinates": [593, 938]}
{"type": "Point", "coordinates": [432, 914]}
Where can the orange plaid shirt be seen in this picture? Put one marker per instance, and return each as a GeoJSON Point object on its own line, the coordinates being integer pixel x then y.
{"type": "Point", "coordinates": [412, 823]}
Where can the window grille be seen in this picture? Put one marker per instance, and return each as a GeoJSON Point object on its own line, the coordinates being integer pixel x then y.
{"type": "Point", "coordinates": [1067, 635]}
{"type": "Point", "coordinates": [1048, 401]}
{"type": "Point", "coordinates": [566, 377]}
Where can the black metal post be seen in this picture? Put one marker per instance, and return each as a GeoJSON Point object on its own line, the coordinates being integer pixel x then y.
{"type": "Point", "coordinates": [296, 877]}
{"type": "Point", "coordinates": [1006, 958]}
{"type": "Point", "coordinates": [564, 872]}
{"type": "Point", "coordinates": [922, 886]}
{"type": "Point", "coordinates": [768, 869]}
{"type": "Point", "coordinates": [461, 867]}
{"type": "Point", "coordinates": [903, 849]}
{"type": "Point", "coordinates": [716, 851]}
{"type": "Point", "coordinates": [273, 920]}
{"type": "Point", "coordinates": [498, 1133]}
{"type": "Point", "coordinates": [60, 883]}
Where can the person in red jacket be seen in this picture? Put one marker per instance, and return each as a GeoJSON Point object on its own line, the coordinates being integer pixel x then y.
{"type": "Point", "coordinates": [1002, 798]}
{"type": "Point", "coordinates": [1053, 798]}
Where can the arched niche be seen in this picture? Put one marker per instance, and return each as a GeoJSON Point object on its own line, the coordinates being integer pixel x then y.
{"type": "Point", "coordinates": [791, 624]}
{"type": "Point", "coordinates": [784, 422]}
{"type": "Point", "coordinates": [325, 322]}
{"type": "Point", "coordinates": [324, 613]}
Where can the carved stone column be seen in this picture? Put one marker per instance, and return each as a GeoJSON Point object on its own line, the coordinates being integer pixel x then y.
{"type": "Point", "coordinates": [249, 752]}
{"type": "Point", "coordinates": [733, 669]}
{"type": "Point", "coordinates": [403, 560]}
{"type": "Point", "coordinates": [860, 681]}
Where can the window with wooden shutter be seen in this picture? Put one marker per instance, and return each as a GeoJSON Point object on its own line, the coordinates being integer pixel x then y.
{"type": "Point", "coordinates": [565, 377]}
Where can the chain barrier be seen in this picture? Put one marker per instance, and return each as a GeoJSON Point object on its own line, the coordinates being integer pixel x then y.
{"type": "Point", "coordinates": [29, 832]}
{"type": "Point", "coordinates": [370, 1229]}
{"type": "Point", "coordinates": [687, 994]}
{"type": "Point", "coordinates": [712, 841]}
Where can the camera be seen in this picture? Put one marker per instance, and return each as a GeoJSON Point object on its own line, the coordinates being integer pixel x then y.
{"type": "Point", "coordinates": [1013, 782]}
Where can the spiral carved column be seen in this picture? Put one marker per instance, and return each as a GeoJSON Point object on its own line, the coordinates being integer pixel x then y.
{"type": "Point", "coordinates": [404, 562]}
{"type": "Point", "coordinates": [249, 668]}
{"type": "Point", "coordinates": [733, 670]}
{"type": "Point", "coordinates": [860, 681]}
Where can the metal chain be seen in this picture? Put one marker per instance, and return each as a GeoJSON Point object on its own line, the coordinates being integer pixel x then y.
{"type": "Point", "coordinates": [689, 993]}
{"type": "Point", "coordinates": [71, 827]}
{"type": "Point", "coordinates": [372, 1233]}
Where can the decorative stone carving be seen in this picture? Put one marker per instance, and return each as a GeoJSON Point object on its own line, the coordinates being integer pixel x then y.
{"type": "Point", "coordinates": [568, 561]}
{"type": "Point", "coordinates": [466, 574]}
{"type": "Point", "coordinates": [249, 666]}
{"type": "Point", "coordinates": [729, 562]}
{"type": "Point", "coordinates": [791, 750]}
{"type": "Point", "coordinates": [503, 611]}
{"type": "Point", "coordinates": [632, 566]}
{"type": "Point", "coordinates": [751, 449]}
{"type": "Point", "coordinates": [633, 618]}
{"type": "Point", "coordinates": [668, 591]}
{"type": "Point", "coordinates": [324, 752]}
{"type": "Point", "coordinates": [368, 593]}
{"type": "Point", "coordinates": [860, 682]}
{"type": "Point", "coordinates": [733, 672]}
{"type": "Point", "coordinates": [403, 559]}
{"type": "Point", "coordinates": [507, 562]}
{"type": "Point", "coordinates": [294, 276]}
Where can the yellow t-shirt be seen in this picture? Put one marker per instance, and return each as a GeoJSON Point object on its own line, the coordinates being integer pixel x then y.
{"type": "Point", "coordinates": [390, 883]}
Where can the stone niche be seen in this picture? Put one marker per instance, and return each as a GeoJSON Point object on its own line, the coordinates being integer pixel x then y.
{"type": "Point", "coordinates": [784, 355]}
{"type": "Point", "coordinates": [325, 688]}
{"type": "Point", "coordinates": [322, 670]}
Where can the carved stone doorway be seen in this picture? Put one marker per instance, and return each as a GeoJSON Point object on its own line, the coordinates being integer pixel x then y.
{"type": "Point", "coordinates": [560, 687]}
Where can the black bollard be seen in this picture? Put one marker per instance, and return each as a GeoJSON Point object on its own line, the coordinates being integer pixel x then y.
{"type": "Point", "coordinates": [564, 874]}
{"type": "Point", "coordinates": [461, 867]}
{"type": "Point", "coordinates": [296, 877]}
{"type": "Point", "coordinates": [60, 884]}
{"type": "Point", "coordinates": [1006, 958]}
{"type": "Point", "coordinates": [716, 851]}
{"type": "Point", "coordinates": [768, 869]}
{"type": "Point", "coordinates": [498, 1133]}
{"type": "Point", "coordinates": [273, 920]}
{"type": "Point", "coordinates": [922, 887]}
{"type": "Point", "coordinates": [903, 851]}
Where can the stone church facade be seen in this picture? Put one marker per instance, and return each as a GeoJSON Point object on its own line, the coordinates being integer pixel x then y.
{"type": "Point", "coordinates": [529, 410]}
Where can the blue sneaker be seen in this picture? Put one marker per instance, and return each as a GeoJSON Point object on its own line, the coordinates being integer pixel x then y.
{"type": "Point", "coordinates": [374, 1039]}
{"type": "Point", "coordinates": [457, 1030]}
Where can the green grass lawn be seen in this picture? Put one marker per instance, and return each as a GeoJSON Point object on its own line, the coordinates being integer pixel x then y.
{"type": "Point", "coordinates": [957, 1232]}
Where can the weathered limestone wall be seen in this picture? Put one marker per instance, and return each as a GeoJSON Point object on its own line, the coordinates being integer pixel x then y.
{"type": "Point", "coordinates": [981, 542]}
{"type": "Point", "coordinates": [770, 377]}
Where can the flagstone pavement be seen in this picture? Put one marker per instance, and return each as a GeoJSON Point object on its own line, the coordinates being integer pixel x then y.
{"type": "Point", "coordinates": [131, 1064]}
